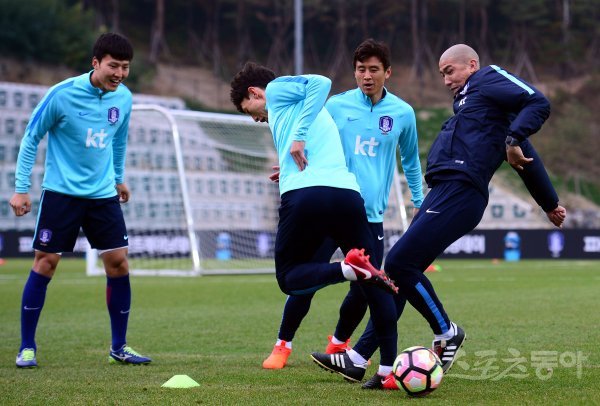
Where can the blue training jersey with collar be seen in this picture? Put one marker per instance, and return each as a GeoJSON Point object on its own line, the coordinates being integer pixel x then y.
{"type": "Point", "coordinates": [87, 139]}
{"type": "Point", "coordinates": [295, 105]}
{"type": "Point", "coordinates": [370, 137]}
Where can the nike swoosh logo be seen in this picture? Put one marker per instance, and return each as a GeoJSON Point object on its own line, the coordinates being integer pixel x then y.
{"type": "Point", "coordinates": [122, 357]}
{"type": "Point", "coordinates": [431, 211]}
{"type": "Point", "coordinates": [352, 118]}
{"type": "Point", "coordinates": [83, 113]}
{"type": "Point", "coordinates": [31, 308]}
{"type": "Point", "coordinates": [380, 237]}
{"type": "Point", "coordinates": [124, 312]}
{"type": "Point", "coordinates": [386, 381]}
{"type": "Point", "coordinates": [125, 237]}
{"type": "Point", "coordinates": [366, 274]}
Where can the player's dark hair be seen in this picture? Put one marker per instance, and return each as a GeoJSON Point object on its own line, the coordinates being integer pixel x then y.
{"type": "Point", "coordinates": [114, 45]}
{"type": "Point", "coordinates": [251, 75]}
{"type": "Point", "coordinates": [369, 48]}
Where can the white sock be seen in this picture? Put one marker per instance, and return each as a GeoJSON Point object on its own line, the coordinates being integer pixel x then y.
{"type": "Point", "coordinates": [348, 272]}
{"type": "Point", "coordinates": [336, 341]}
{"type": "Point", "coordinates": [447, 335]}
{"type": "Point", "coordinates": [356, 357]}
{"type": "Point", "coordinates": [288, 344]}
{"type": "Point", "coordinates": [384, 370]}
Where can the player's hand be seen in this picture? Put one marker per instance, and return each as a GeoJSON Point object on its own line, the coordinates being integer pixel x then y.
{"type": "Point", "coordinates": [515, 157]}
{"type": "Point", "coordinates": [123, 192]}
{"type": "Point", "coordinates": [557, 216]}
{"type": "Point", "coordinates": [274, 177]}
{"type": "Point", "coordinates": [20, 203]}
{"type": "Point", "coordinates": [297, 152]}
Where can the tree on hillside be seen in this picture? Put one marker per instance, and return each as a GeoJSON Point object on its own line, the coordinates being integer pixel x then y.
{"type": "Point", "coordinates": [527, 25]}
{"type": "Point", "coordinates": [106, 13]}
{"type": "Point", "coordinates": [424, 58]}
{"type": "Point", "coordinates": [158, 42]}
{"type": "Point", "coordinates": [482, 39]}
{"type": "Point", "coordinates": [244, 48]}
{"type": "Point", "coordinates": [278, 18]}
{"type": "Point", "coordinates": [416, 32]}
{"type": "Point", "coordinates": [340, 57]}
{"type": "Point", "coordinates": [567, 64]}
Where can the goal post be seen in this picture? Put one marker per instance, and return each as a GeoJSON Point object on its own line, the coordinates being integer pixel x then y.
{"type": "Point", "coordinates": [201, 199]}
{"type": "Point", "coordinates": [202, 202]}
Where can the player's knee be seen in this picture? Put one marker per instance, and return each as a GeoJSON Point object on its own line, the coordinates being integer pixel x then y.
{"type": "Point", "coordinates": [45, 263]}
{"type": "Point", "coordinates": [115, 263]}
{"type": "Point", "coordinates": [282, 286]}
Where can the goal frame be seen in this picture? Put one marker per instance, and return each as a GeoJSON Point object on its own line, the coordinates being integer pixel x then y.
{"type": "Point", "coordinates": [92, 254]}
{"type": "Point", "coordinates": [92, 267]}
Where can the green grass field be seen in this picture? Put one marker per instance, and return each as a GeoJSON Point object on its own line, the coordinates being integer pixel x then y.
{"type": "Point", "coordinates": [218, 329]}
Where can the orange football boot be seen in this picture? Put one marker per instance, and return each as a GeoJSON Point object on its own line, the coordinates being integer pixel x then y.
{"type": "Point", "coordinates": [335, 348]}
{"type": "Point", "coordinates": [278, 357]}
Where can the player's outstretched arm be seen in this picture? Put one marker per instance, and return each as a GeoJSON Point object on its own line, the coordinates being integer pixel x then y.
{"type": "Point", "coordinates": [536, 179]}
{"type": "Point", "coordinates": [20, 203]}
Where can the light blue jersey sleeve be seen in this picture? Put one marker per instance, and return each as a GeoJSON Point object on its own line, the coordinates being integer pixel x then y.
{"type": "Point", "coordinates": [295, 106]}
{"type": "Point", "coordinates": [310, 90]}
{"type": "Point", "coordinates": [45, 116]}
{"type": "Point", "coordinates": [409, 158]}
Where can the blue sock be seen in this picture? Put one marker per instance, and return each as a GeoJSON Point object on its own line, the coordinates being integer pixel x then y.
{"type": "Point", "coordinates": [34, 295]}
{"type": "Point", "coordinates": [118, 301]}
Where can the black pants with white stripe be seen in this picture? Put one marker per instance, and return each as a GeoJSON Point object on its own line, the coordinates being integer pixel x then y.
{"type": "Point", "coordinates": [450, 210]}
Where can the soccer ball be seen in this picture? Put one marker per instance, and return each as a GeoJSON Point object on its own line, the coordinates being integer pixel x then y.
{"type": "Point", "coordinates": [418, 371]}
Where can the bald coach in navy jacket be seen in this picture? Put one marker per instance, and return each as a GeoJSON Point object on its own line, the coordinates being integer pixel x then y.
{"type": "Point", "coordinates": [494, 115]}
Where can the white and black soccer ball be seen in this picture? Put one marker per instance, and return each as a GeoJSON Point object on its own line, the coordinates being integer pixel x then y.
{"type": "Point", "coordinates": [418, 371]}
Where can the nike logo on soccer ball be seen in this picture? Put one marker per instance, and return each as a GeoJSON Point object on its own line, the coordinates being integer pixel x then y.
{"type": "Point", "coordinates": [380, 237]}
{"type": "Point", "coordinates": [31, 308]}
{"type": "Point", "coordinates": [431, 211]}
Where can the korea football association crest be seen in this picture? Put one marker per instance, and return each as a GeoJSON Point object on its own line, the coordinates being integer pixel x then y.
{"type": "Point", "coordinates": [113, 115]}
{"type": "Point", "coordinates": [385, 124]}
{"type": "Point", "coordinates": [45, 236]}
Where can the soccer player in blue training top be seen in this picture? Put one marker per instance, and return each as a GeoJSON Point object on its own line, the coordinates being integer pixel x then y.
{"type": "Point", "coordinates": [320, 198]}
{"type": "Point", "coordinates": [373, 123]}
{"type": "Point", "coordinates": [86, 118]}
{"type": "Point", "coordinates": [495, 113]}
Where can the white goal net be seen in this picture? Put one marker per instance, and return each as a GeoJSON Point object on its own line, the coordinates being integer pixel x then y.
{"type": "Point", "coordinates": [202, 201]}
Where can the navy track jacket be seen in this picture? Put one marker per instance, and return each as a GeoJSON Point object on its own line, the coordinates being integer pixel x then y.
{"type": "Point", "coordinates": [471, 144]}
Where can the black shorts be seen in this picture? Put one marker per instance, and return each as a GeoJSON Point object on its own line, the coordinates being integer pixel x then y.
{"type": "Point", "coordinates": [60, 218]}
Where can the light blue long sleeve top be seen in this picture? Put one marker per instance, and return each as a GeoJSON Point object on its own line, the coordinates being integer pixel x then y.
{"type": "Point", "coordinates": [371, 135]}
{"type": "Point", "coordinates": [87, 139]}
